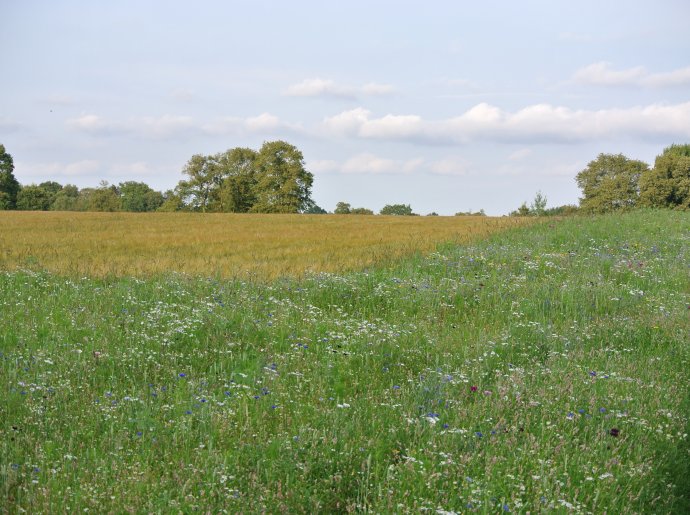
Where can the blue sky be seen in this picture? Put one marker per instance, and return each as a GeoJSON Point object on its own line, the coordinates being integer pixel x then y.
{"type": "Point", "coordinates": [447, 106]}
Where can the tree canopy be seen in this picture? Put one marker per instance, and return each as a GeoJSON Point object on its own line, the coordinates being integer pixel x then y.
{"type": "Point", "coordinates": [610, 183]}
{"type": "Point", "coordinates": [397, 209]}
{"type": "Point", "coordinates": [9, 186]}
{"type": "Point", "coordinates": [668, 183]}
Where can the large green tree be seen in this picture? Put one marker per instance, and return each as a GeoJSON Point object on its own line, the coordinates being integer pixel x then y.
{"type": "Point", "coordinates": [668, 183]}
{"type": "Point", "coordinates": [9, 186]}
{"type": "Point", "coordinates": [199, 191]}
{"type": "Point", "coordinates": [237, 191]}
{"type": "Point", "coordinates": [610, 183]}
{"type": "Point", "coordinates": [283, 183]}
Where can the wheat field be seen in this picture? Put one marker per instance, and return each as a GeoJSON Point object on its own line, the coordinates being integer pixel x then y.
{"type": "Point", "coordinates": [224, 245]}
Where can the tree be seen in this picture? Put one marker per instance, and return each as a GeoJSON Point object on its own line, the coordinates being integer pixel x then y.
{"type": "Point", "coordinates": [538, 207]}
{"type": "Point", "coordinates": [139, 197]}
{"type": "Point", "coordinates": [397, 209]}
{"type": "Point", "coordinates": [523, 210]}
{"type": "Point", "coordinates": [237, 191]}
{"type": "Point", "coordinates": [610, 183]}
{"type": "Point", "coordinates": [104, 198]}
{"type": "Point", "coordinates": [314, 209]}
{"type": "Point", "coordinates": [342, 208]}
{"type": "Point", "coordinates": [283, 184]}
{"type": "Point", "coordinates": [361, 211]}
{"type": "Point", "coordinates": [205, 178]}
{"type": "Point", "coordinates": [33, 198]}
{"type": "Point", "coordinates": [9, 186]}
{"type": "Point", "coordinates": [668, 183]}
{"type": "Point", "coordinates": [66, 199]}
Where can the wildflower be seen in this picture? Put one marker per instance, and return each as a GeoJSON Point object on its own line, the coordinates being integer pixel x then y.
{"type": "Point", "coordinates": [479, 434]}
{"type": "Point", "coordinates": [396, 387]}
{"type": "Point", "coordinates": [593, 373]}
{"type": "Point", "coordinates": [473, 388]}
{"type": "Point", "coordinates": [602, 410]}
{"type": "Point", "coordinates": [570, 415]}
{"type": "Point", "coordinates": [614, 431]}
{"type": "Point", "coordinates": [188, 412]}
{"type": "Point", "coordinates": [182, 374]}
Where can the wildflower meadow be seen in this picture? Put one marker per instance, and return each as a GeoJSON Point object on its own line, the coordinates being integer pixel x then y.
{"type": "Point", "coordinates": [543, 368]}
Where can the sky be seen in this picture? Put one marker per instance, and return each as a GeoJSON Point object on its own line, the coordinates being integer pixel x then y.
{"type": "Point", "coordinates": [444, 105]}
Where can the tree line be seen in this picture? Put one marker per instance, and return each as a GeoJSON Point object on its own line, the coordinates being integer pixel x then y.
{"type": "Point", "coordinates": [240, 180]}
{"type": "Point", "coordinates": [274, 179]}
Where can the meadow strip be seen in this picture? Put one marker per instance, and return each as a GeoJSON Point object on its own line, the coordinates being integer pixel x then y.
{"type": "Point", "coordinates": [542, 369]}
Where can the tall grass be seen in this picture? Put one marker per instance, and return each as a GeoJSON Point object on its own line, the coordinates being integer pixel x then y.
{"type": "Point", "coordinates": [226, 245]}
{"type": "Point", "coordinates": [542, 369]}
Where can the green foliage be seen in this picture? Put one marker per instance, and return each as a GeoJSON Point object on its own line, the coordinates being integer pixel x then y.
{"type": "Point", "coordinates": [538, 206]}
{"type": "Point", "coordinates": [241, 180]}
{"type": "Point", "coordinates": [397, 210]}
{"type": "Point", "coordinates": [66, 199]}
{"type": "Point", "coordinates": [283, 184]}
{"type": "Point", "coordinates": [9, 186]}
{"type": "Point", "coordinates": [668, 183]}
{"type": "Point", "coordinates": [104, 198]}
{"type": "Point", "coordinates": [523, 210]}
{"type": "Point", "coordinates": [342, 208]}
{"type": "Point", "coordinates": [610, 183]}
{"type": "Point", "coordinates": [313, 209]}
{"type": "Point", "coordinates": [544, 370]}
{"type": "Point", "coordinates": [34, 198]}
{"type": "Point", "coordinates": [470, 213]}
{"type": "Point", "coordinates": [237, 192]}
{"type": "Point", "coordinates": [139, 197]}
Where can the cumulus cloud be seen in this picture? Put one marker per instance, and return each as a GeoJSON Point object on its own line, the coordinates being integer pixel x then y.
{"type": "Point", "coordinates": [328, 88]}
{"type": "Point", "coordinates": [535, 123]}
{"type": "Point", "coordinates": [602, 74]}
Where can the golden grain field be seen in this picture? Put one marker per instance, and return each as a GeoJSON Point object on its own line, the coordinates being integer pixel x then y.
{"type": "Point", "coordinates": [227, 245]}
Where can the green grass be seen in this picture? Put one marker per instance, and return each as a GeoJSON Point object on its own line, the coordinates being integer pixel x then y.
{"type": "Point", "coordinates": [545, 368]}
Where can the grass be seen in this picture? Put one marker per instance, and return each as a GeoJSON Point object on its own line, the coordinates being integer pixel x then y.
{"type": "Point", "coordinates": [226, 245]}
{"type": "Point", "coordinates": [541, 369]}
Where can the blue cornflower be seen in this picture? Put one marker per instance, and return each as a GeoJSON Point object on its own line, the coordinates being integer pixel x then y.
{"type": "Point", "coordinates": [602, 410]}
{"type": "Point", "coordinates": [479, 434]}
{"type": "Point", "coordinates": [396, 387]}
{"type": "Point", "coordinates": [188, 412]}
{"type": "Point", "coordinates": [182, 374]}
{"type": "Point", "coordinates": [139, 433]}
{"type": "Point", "coordinates": [593, 373]}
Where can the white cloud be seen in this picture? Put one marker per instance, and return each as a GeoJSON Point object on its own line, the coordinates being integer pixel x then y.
{"type": "Point", "coordinates": [265, 122]}
{"type": "Point", "coordinates": [83, 167]}
{"type": "Point", "coordinates": [95, 125]}
{"type": "Point", "coordinates": [368, 163]}
{"type": "Point", "coordinates": [168, 127]}
{"type": "Point", "coordinates": [535, 123]}
{"type": "Point", "coordinates": [328, 88]}
{"type": "Point", "coordinates": [602, 74]}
